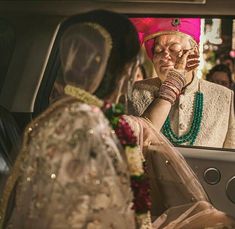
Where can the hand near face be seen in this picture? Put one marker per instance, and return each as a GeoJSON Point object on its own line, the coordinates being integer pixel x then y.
{"type": "Point", "coordinates": [187, 60]}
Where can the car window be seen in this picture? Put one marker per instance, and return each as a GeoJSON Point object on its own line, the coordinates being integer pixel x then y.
{"type": "Point", "coordinates": [216, 45]}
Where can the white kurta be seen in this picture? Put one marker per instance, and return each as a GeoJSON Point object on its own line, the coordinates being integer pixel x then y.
{"type": "Point", "coordinates": [218, 123]}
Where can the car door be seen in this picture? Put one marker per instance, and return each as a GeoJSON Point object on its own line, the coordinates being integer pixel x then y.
{"type": "Point", "coordinates": [216, 172]}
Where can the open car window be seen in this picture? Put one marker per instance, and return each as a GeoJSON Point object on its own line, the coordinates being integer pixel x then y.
{"type": "Point", "coordinates": [217, 44]}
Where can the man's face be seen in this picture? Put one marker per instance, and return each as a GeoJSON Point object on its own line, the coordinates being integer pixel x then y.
{"type": "Point", "coordinates": [221, 78]}
{"type": "Point", "coordinates": [229, 63]}
{"type": "Point", "coordinates": [166, 50]}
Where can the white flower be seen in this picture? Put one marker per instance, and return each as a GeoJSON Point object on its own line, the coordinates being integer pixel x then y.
{"type": "Point", "coordinates": [134, 159]}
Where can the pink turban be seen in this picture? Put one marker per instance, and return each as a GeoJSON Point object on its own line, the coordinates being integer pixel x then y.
{"type": "Point", "coordinates": [149, 28]}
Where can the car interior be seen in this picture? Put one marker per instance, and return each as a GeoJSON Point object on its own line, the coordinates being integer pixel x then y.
{"type": "Point", "coordinates": [30, 32]}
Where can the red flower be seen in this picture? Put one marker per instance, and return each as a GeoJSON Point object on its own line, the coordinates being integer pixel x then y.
{"type": "Point", "coordinates": [125, 133]}
{"type": "Point", "coordinates": [139, 184]}
{"type": "Point", "coordinates": [107, 106]}
{"type": "Point", "coordinates": [142, 200]}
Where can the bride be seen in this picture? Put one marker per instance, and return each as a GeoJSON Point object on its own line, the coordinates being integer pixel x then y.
{"type": "Point", "coordinates": [71, 171]}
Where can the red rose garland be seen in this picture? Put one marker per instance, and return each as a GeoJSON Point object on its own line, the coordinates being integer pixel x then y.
{"type": "Point", "coordinates": [125, 133]}
{"type": "Point", "coordinates": [139, 181]}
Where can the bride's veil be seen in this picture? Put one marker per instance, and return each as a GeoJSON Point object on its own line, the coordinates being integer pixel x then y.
{"type": "Point", "coordinates": [84, 52]}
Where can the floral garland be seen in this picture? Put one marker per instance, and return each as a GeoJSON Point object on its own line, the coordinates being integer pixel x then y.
{"type": "Point", "coordinates": [139, 181]}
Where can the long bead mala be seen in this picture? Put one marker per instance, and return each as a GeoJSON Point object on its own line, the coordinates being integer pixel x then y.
{"type": "Point", "coordinates": [192, 134]}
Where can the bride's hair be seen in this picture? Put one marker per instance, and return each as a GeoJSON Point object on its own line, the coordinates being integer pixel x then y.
{"type": "Point", "coordinates": [125, 46]}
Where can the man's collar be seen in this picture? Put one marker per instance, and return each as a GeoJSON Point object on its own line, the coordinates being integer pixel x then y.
{"type": "Point", "coordinates": [192, 87]}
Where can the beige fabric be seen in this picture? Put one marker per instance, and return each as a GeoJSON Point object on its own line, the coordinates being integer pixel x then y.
{"type": "Point", "coordinates": [178, 199]}
{"type": "Point", "coordinates": [218, 123]}
{"type": "Point", "coordinates": [73, 174]}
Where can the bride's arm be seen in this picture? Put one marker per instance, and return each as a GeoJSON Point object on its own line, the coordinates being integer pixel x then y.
{"type": "Point", "coordinates": [157, 112]}
{"type": "Point", "coordinates": [169, 91]}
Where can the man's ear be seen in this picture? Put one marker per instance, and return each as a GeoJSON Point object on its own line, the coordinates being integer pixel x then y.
{"type": "Point", "coordinates": [195, 47]}
{"type": "Point", "coordinates": [194, 51]}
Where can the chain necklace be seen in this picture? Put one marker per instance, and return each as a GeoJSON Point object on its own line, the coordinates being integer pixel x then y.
{"type": "Point", "coordinates": [192, 134]}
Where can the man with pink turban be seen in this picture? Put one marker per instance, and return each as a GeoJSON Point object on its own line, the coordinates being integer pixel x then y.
{"type": "Point", "coordinates": [194, 112]}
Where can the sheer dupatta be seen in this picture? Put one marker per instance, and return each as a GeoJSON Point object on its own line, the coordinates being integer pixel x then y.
{"type": "Point", "coordinates": [178, 199]}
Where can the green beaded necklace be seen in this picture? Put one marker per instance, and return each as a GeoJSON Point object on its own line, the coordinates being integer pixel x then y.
{"type": "Point", "coordinates": [191, 136]}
